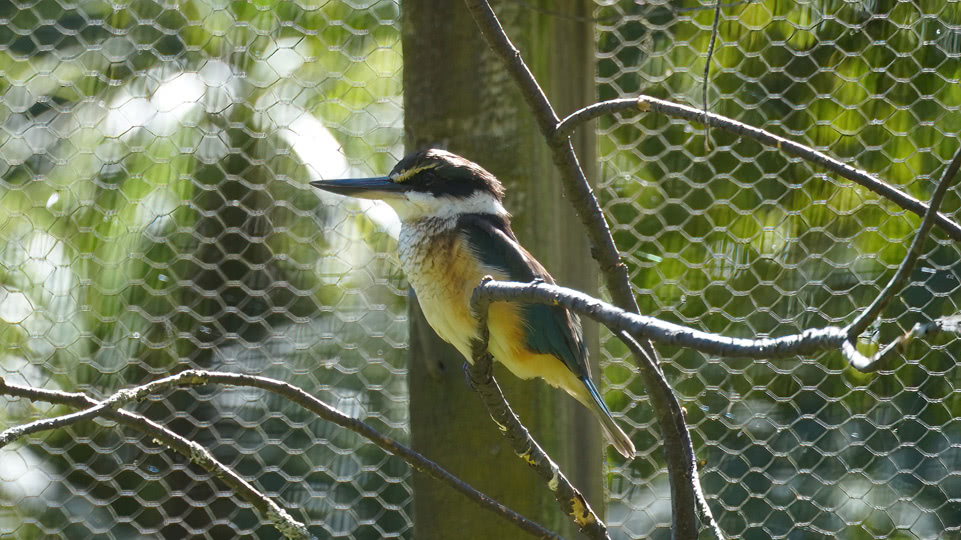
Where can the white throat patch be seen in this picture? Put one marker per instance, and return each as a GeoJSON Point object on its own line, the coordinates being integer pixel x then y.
{"type": "Point", "coordinates": [418, 205]}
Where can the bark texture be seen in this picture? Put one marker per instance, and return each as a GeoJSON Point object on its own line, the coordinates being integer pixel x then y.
{"type": "Point", "coordinates": [458, 96]}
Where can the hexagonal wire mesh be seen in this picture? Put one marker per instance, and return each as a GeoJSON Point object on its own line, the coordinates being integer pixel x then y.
{"type": "Point", "coordinates": [154, 215]}
{"type": "Point", "coordinates": [735, 238]}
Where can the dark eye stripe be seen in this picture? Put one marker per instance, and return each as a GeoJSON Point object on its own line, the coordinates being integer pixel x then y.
{"type": "Point", "coordinates": [444, 174]}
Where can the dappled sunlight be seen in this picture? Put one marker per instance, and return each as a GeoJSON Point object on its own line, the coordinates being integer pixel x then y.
{"type": "Point", "coordinates": [155, 215]}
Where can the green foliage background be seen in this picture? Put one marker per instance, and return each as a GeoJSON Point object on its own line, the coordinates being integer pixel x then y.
{"type": "Point", "coordinates": [731, 237]}
{"type": "Point", "coordinates": [154, 216]}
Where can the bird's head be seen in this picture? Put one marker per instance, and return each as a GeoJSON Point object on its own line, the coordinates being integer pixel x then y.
{"type": "Point", "coordinates": [431, 183]}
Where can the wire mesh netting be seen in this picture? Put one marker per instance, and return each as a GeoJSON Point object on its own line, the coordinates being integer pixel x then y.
{"type": "Point", "coordinates": [731, 237]}
{"type": "Point", "coordinates": [154, 216]}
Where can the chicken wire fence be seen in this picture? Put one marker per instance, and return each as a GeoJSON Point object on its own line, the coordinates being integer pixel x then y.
{"type": "Point", "coordinates": [731, 237]}
{"type": "Point", "coordinates": [154, 215]}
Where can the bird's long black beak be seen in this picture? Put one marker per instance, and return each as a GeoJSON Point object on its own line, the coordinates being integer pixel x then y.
{"type": "Point", "coordinates": [380, 187]}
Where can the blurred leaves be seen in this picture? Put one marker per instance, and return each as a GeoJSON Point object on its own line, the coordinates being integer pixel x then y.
{"type": "Point", "coordinates": [154, 215]}
{"type": "Point", "coordinates": [747, 242]}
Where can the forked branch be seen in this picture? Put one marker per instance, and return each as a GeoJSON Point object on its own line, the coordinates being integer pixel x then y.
{"type": "Point", "coordinates": [276, 515]}
{"type": "Point", "coordinates": [880, 359]}
{"type": "Point", "coordinates": [869, 315]}
{"type": "Point", "coordinates": [482, 379]}
{"type": "Point", "coordinates": [197, 454]}
{"type": "Point", "coordinates": [675, 110]}
{"type": "Point", "coordinates": [604, 250]}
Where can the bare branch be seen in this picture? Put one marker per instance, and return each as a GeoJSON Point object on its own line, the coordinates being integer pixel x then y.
{"type": "Point", "coordinates": [576, 188]}
{"type": "Point", "coordinates": [707, 67]}
{"type": "Point", "coordinates": [276, 516]}
{"type": "Point", "coordinates": [911, 258]}
{"type": "Point", "coordinates": [678, 451]}
{"type": "Point", "coordinates": [416, 460]}
{"type": "Point", "coordinates": [482, 379]}
{"type": "Point", "coordinates": [578, 192]}
{"type": "Point", "coordinates": [869, 364]}
{"type": "Point", "coordinates": [113, 402]}
{"type": "Point", "coordinates": [188, 378]}
{"type": "Point", "coordinates": [10, 435]}
{"type": "Point", "coordinates": [617, 320]}
{"type": "Point", "coordinates": [674, 110]}
{"type": "Point", "coordinates": [879, 360]}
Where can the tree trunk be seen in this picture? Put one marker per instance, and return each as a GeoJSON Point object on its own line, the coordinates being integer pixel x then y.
{"type": "Point", "coordinates": [458, 96]}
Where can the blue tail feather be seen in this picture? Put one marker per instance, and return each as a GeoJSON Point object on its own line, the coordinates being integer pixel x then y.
{"type": "Point", "coordinates": [614, 433]}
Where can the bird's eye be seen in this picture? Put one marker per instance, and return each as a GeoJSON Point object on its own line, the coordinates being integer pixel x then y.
{"type": "Point", "coordinates": [405, 175]}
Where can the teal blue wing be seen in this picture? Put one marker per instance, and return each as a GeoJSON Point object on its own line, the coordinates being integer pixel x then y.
{"type": "Point", "coordinates": [550, 329]}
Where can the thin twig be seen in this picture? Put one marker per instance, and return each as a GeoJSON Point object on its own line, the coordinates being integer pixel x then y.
{"type": "Point", "coordinates": [914, 252]}
{"type": "Point", "coordinates": [200, 378]}
{"type": "Point", "coordinates": [703, 8]}
{"type": "Point", "coordinates": [688, 491]}
{"type": "Point", "coordinates": [707, 68]}
{"type": "Point", "coordinates": [482, 379]}
{"type": "Point", "coordinates": [276, 516]}
{"type": "Point", "coordinates": [578, 191]}
{"type": "Point", "coordinates": [675, 110]}
{"type": "Point", "coordinates": [14, 433]}
{"type": "Point", "coordinates": [879, 360]}
{"type": "Point", "coordinates": [576, 187]}
{"type": "Point", "coordinates": [685, 487]}
{"type": "Point", "coordinates": [113, 402]}
{"type": "Point", "coordinates": [416, 460]}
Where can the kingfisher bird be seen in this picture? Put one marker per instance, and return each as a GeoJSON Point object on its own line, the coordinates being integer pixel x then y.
{"type": "Point", "coordinates": [454, 232]}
